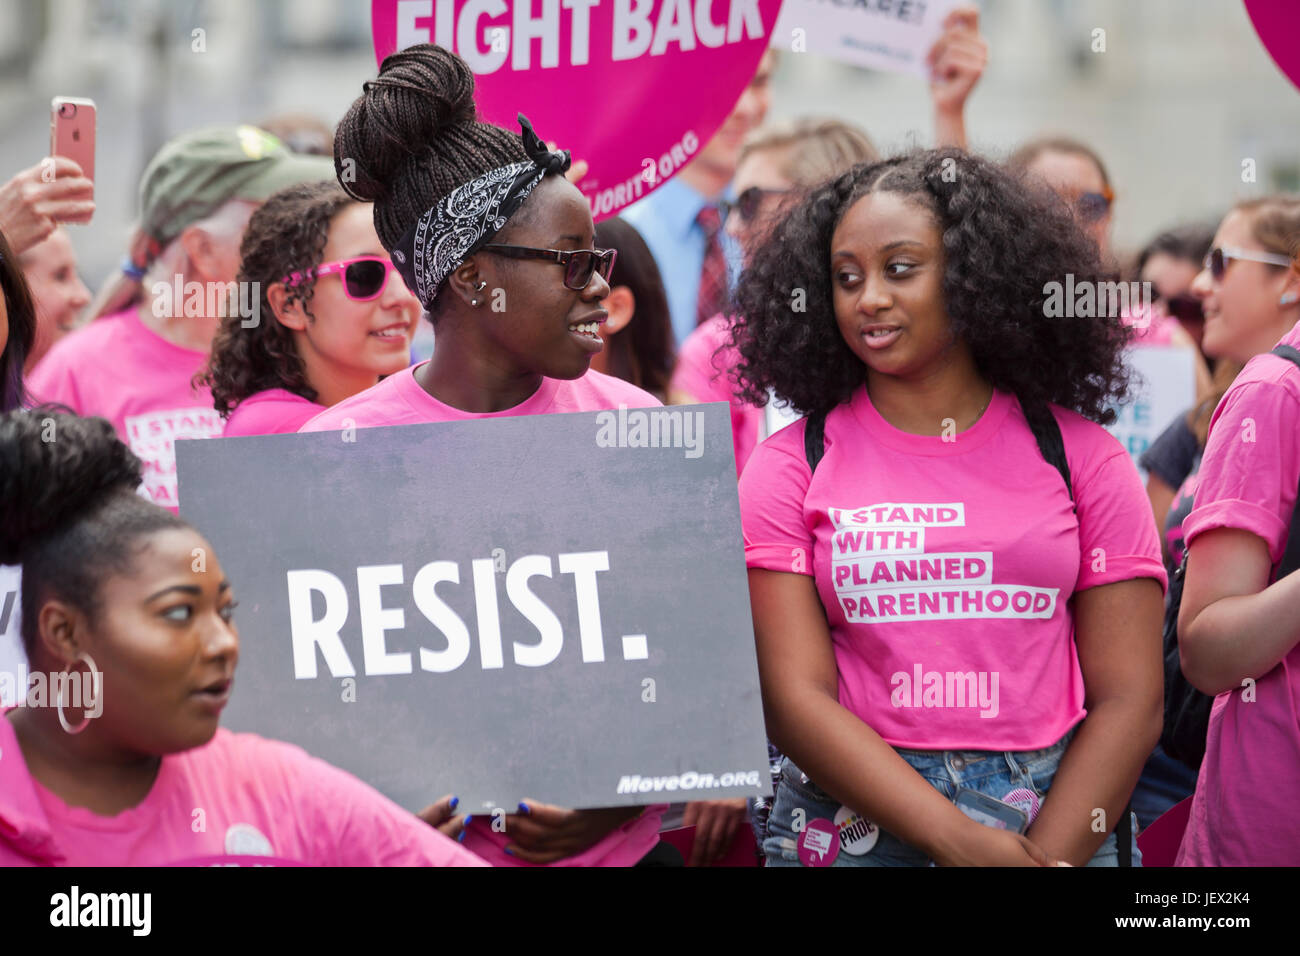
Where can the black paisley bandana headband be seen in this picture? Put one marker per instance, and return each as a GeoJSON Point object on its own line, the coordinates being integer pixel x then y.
{"type": "Point", "coordinates": [469, 216]}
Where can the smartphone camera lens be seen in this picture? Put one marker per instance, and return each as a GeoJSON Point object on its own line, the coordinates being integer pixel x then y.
{"type": "Point", "coordinates": [68, 110]}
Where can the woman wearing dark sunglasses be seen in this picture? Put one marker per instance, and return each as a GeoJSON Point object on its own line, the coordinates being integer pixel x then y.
{"type": "Point", "coordinates": [1076, 174]}
{"type": "Point", "coordinates": [1237, 624]}
{"type": "Point", "coordinates": [334, 317]}
{"type": "Point", "coordinates": [1170, 262]}
{"type": "Point", "coordinates": [1242, 319]}
{"type": "Point", "coordinates": [498, 247]}
{"type": "Point", "coordinates": [1247, 320]}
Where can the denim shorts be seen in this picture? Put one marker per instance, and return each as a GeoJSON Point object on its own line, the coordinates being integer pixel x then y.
{"type": "Point", "coordinates": [994, 773]}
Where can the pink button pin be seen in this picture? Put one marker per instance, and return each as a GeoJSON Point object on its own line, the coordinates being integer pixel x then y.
{"type": "Point", "coordinates": [819, 844]}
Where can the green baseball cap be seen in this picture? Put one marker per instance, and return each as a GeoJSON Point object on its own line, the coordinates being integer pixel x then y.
{"type": "Point", "coordinates": [198, 172]}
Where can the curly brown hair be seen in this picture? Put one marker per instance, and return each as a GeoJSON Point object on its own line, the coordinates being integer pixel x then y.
{"type": "Point", "coordinates": [286, 235]}
{"type": "Point", "coordinates": [1002, 244]}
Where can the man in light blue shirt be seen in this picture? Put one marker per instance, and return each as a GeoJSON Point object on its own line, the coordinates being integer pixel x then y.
{"type": "Point", "coordinates": [668, 218]}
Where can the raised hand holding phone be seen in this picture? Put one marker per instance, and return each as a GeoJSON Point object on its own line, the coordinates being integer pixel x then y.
{"type": "Point", "coordinates": [40, 197]}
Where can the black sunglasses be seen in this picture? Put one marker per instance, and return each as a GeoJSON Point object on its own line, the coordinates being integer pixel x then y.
{"type": "Point", "coordinates": [1093, 206]}
{"type": "Point", "coordinates": [747, 203]}
{"type": "Point", "coordinates": [1185, 308]}
{"type": "Point", "coordinates": [579, 264]}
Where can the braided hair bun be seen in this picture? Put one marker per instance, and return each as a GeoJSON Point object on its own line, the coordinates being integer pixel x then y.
{"type": "Point", "coordinates": [414, 135]}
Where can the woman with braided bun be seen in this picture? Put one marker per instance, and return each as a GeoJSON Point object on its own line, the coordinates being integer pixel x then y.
{"type": "Point", "coordinates": [497, 246]}
{"type": "Point", "coordinates": [955, 580]}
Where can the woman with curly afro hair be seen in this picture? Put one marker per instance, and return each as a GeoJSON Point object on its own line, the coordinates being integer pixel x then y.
{"type": "Point", "coordinates": [334, 315]}
{"type": "Point", "coordinates": [955, 577]}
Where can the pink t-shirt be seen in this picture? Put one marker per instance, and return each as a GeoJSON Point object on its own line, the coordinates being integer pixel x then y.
{"type": "Point", "coordinates": [399, 400]}
{"type": "Point", "coordinates": [1152, 328]}
{"type": "Point", "coordinates": [946, 566]}
{"type": "Point", "coordinates": [237, 795]}
{"type": "Point", "coordinates": [275, 411]}
{"type": "Point", "coordinates": [702, 371]}
{"type": "Point", "coordinates": [1244, 809]}
{"type": "Point", "coordinates": [119, 369]}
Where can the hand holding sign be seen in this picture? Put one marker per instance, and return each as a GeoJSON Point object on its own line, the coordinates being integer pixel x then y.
{"type": "Point", "coordinates": [548, 833]}
{"type": "Point", "coordinates": [716, 824]}
{"type": "Point", "coordinates": [442, 815]}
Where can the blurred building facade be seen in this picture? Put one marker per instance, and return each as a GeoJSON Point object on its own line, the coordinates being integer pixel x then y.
{"type": "Point", "coordinates": [1181, 97]}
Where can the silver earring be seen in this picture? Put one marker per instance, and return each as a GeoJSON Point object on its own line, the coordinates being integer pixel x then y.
{"type": "Point", "coordinates": [481, 286]}
{"type": "Point", "coordinates": [95, 684]}
{"type": "Point", "coordinates": [473, 301]}
{"type": "Point", "coordinates": [1288, 298]}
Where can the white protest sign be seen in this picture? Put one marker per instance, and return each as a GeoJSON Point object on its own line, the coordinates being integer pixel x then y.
{"type": "Point", "coordinates": [776, 415]}
{"type": "Point", "coordinates": [13, 662]}
{"type": "Point", "coordinates": [892, 35]}
{"type": "Point", "coordinates": [1164, 387]}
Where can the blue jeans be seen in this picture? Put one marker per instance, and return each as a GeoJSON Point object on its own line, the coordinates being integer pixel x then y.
{"type": "Point", "coordinates": [990, 772]}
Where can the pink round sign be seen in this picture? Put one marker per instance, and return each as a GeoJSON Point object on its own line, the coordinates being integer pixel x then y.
{"type": "Point", "coordinates": [634, 87]}
{"type": "Point", "coordinates": [1278, 24]}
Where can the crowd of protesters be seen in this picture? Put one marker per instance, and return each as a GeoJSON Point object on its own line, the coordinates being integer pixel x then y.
{"type": "Point", "coordinates": [918, 368]}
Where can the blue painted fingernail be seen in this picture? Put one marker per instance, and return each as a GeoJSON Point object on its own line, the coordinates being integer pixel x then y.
{"type": "Point", "coordinates": [510, 851]}
{"type": "Point", "coordinates": [454, 801]}
{"type": "Point", "coordinates": [467, 819]}
{"type": "Point", "coordinates": [460, 837]}
{"type": "Point", "coordinates": [523, 808]}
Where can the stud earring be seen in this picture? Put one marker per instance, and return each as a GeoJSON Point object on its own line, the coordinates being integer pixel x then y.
{"type": "Point", "coordinates": [473, 301]}
{"type": "Point", "coordinates": [481, 286]}
{"type": "Point", "coordinates": [1288, 299]}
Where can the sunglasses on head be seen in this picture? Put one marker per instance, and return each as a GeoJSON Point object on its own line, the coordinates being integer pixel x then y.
{"type": "Point", "coordinates": [364, 277]}
{"type": "Point", "coordinates": [1218, 258]}
{"type": "Point", "coordinates": [747, 204]}
{"type": "Point", "coordinates": [579, 264]}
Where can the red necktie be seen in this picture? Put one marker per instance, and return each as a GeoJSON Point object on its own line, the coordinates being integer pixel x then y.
{"type": "Point", "coordinates": [713, 276]}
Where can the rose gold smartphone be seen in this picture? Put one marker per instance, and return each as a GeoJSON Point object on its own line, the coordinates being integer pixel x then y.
{"type": "Point", "coordinates": [72, 132]}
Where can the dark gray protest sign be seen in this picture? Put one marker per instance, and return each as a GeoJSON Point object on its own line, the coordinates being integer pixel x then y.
{"type": "Point", "coordinates": [551, 607]}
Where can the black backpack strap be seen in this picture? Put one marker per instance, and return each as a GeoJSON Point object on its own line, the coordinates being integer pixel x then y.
{"type": "Point", "coordinates": [1048, 435]}
{"type": "Point", "coordinates": [1047, 432]}
{"type": "Point", "coordinates": [814, 439]}
{"type": "Point", "coordinates": [1124, 838]}
{"type": "Point", "coordinates": [1291, 557]}
{"type": "Point", "coordinates": [1041, 422]}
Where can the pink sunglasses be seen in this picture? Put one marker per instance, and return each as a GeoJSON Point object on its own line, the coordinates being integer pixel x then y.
{"type": "Point", "coordinates": [364, 277]}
